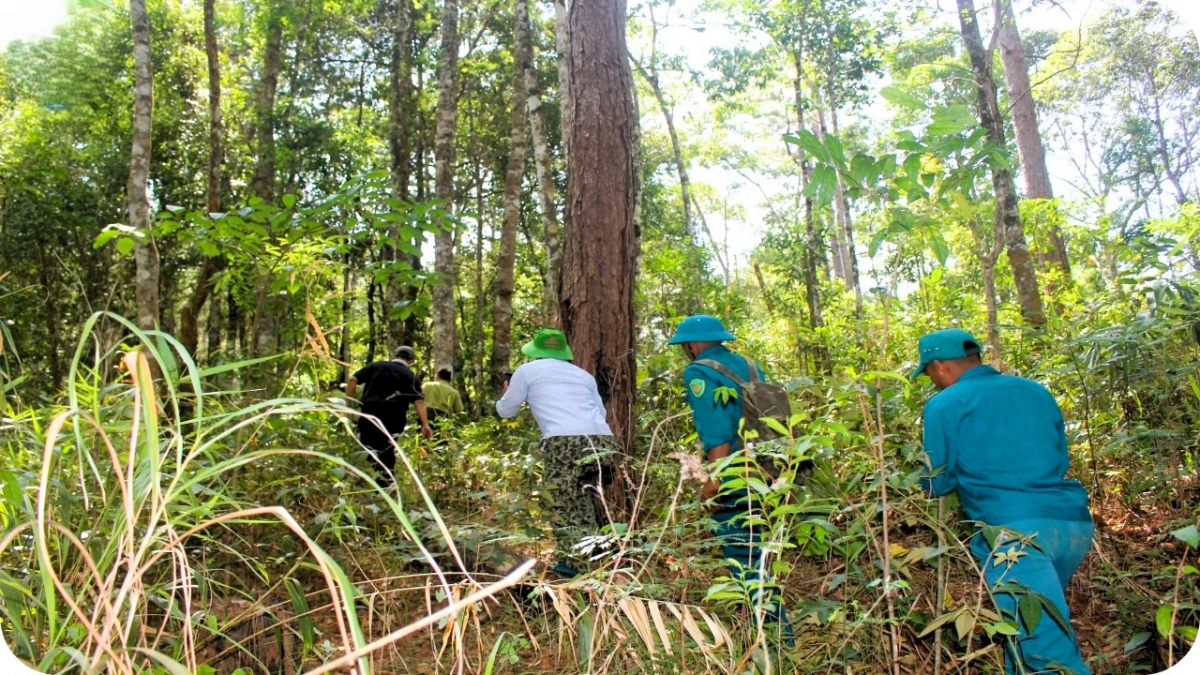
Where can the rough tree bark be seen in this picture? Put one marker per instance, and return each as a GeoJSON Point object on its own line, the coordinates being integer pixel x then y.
{"type": "Point", "coordinates": [137, 193]}
{"type": "Point", "coordinates": [189, 333]}
{"type": "Point", "coordinates": [600, 249]}
{"type": "Point", "coordinates": [1025, 128]}
{"type": "Point", "coordinates": [507, 250]}
{"type": "Point", "coordinates": [445, 331]}
{"type": "Point", "coordinates": [399, 130]}
{"type": "Point", "coordinates": [542, 163]}
{"type": "Point", "coordinates": [1008, 215]}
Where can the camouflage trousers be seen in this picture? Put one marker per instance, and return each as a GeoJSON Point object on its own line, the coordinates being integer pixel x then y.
{"type": "Point", "coordinates": [573, 475]}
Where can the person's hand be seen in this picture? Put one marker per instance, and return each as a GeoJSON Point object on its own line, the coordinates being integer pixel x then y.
{"type": "Point", "coordinates": [426, 430]}
{"type": "Point", "coordinates": [708, 494]}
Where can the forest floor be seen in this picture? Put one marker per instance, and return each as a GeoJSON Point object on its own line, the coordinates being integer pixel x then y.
{"type": "Point", "coordinates": [1114, 598]}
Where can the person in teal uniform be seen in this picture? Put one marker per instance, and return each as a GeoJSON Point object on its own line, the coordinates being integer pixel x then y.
{"type": "Point", "coordinates": [1000, 443]}
{"type": "Point", "coordinates": [717, 421]}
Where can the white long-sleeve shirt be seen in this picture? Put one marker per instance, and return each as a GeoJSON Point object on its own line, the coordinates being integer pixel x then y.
{"type": "Point", "coordinates": [562, 396]}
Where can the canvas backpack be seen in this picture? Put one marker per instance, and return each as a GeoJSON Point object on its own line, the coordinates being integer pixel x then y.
{"type": "Point", "coordinates": [760, 399]}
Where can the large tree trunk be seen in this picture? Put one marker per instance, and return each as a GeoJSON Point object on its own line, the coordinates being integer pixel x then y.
{"type": "Point", "coordinates": [189, 331]}
{"type": "Point", "coordinates": [600, 250]}
{"type": "Point", "coordinates": [400, 91]}
{"type": "Point", "coordinates": [445, 333]}
{"type": "Point", "coordinates": [268, 305]}
{"type": "Point", "coordinates": [137, 193]}
{"type": "Point", "coordinates": [1025, 128]}
{"type": "Point", "coordinates": [542, 162]}
{"type": "Point", "coordinates": [507, 252]}
{"type": "Point", "coordinates": [1008, 215]}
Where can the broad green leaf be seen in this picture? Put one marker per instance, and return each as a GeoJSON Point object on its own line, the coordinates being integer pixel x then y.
{"type": "Point", "coordinates": [811, 144]}
{"type": "Point", "coordinates": [836, 151]}
{"type": "Point", "coordinates": [948, 120]}
{"type": "Point", "coordinates": [1189, 535]}
{"type": "Point", "coordinates": [1136, 641]}
{"type": "Point", "coordinates": [1029, 609]}
{"type": "Point", "coordinates": [125, 245]}
{"type": "Point", "coordinates": [1162, 620]}
{"type": "Point", "coordinates": [902, 98]}
{"type": "Point", "coordinates": [940, 248]}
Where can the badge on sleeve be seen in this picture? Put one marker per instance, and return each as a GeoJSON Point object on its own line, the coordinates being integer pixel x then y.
{"type": "Point", "coordinates": [697, 387]}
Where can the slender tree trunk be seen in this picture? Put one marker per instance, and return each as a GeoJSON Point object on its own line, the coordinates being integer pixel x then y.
{"type": "Point", "coordinates": [562, 44]}
{"type": "Point", "coordinates": [543, 164]}
{"type": "Point", "coordinates": [189, 330]}
{"type": "Point", "coordinates": [689, 229]}
{"type": "Point", "coordinates": [268, 305]}
{"type": "Point", "coordinates": [1008, 215]}
{"type": "Point", "coordinates": [1025, 128]}
{"type": "Point", "coordinates": [346, 310]}
{"type": "Point", "coordinates": [842, 219]}
{"type": "Point", "coordinates": [507, 252]}
{"type": "Point", "coordinates": [137, 194]}
{"type": "Point", "coordinates": [813, 252]}
{"type": "Point", "coordinates": [600, 250]}
{"type": "Point", "coordinates": [400, 129]}
{"type": "Point", "coordinates": [445, 332]}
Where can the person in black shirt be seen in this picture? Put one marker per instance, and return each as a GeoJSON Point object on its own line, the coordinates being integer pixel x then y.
{"type": "Point", "coordinates": [389, 387]}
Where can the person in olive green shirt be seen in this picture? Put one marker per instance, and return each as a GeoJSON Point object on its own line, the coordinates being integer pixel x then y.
{"type": "Point", "coordinates": [441, 398]}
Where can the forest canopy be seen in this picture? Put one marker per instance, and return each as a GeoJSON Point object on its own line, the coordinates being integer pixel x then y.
{"type": "Point", "coordinates": [214, 213]}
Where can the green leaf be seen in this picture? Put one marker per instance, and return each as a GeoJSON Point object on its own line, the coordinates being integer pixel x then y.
{"type": "Point", "coordinates": [125, 246]}
{"type": "Point", "coordinates": [860, 170]}
{"type": "Point", "coordinates": [1162, 620]}
{"type": "Point", "coordinates": [811, 144]}
{"type": "Point", "coordinates": [1029, 609]}
{"type": "Point", "coordinates": [940, 248]}
{"type": "Point", "coordinates": [1188, 535]}
{"type": "Point", "coordinates": [902, 98]}
{"type": "Point", "coordinates": [289, 200]}
{"type": "Point", "coordinates": [951, 120]}
{"type": "Point", "coordinates": [836, 151]}
{"type": "Point", "coordinates": [1136, 641]}
{"type": "Point", "coordinates": [1188, 632]}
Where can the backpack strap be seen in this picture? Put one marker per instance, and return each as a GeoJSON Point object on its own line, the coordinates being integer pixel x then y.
{"type": "Point", "coordinates": [728, 372]}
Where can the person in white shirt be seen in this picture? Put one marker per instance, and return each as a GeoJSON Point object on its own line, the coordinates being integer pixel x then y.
{"type": "Point", "coordinates": [576, 438]}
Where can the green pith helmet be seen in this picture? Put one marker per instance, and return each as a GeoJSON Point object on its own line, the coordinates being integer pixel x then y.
{"type": "Point", "coordinates": [548, 344]}
{"type": "Point", "coordinates": [700, 328]}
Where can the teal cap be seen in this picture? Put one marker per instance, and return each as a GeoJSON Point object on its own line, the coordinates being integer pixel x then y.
{"type": "Point", "coordinates": [943, 345]}
{"type": "Point", "coordinates": [700, 328]}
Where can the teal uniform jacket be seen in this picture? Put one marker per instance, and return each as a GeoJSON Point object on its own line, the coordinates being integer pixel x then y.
{"type": "Point", "coordinates": [999, 440]}
{"type": "Point", "coordinates": [716, 422]}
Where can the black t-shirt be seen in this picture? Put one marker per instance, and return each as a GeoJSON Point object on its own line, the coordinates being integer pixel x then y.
{"type": "Point", "coordinates": [390, 381]}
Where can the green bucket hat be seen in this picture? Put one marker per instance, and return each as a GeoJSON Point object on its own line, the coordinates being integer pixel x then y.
{"type": "Point", "coordinates": [548, 344]}
{"type": "Point", "coordinates": [943, 345]}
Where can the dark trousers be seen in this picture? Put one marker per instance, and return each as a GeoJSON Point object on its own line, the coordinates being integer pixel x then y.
{"type": "Point", "coordinates": [381, 442]}
{"type": "Point", "coordinates": [741, 546]}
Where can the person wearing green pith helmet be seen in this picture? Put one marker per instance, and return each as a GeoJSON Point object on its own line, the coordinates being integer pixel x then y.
{"type": "Point", "coordinates": [1000, 442]}
{"type": "Point", "coordinates": [576, 439]}
{"type": "Point", "coordinates": [718, 420]}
